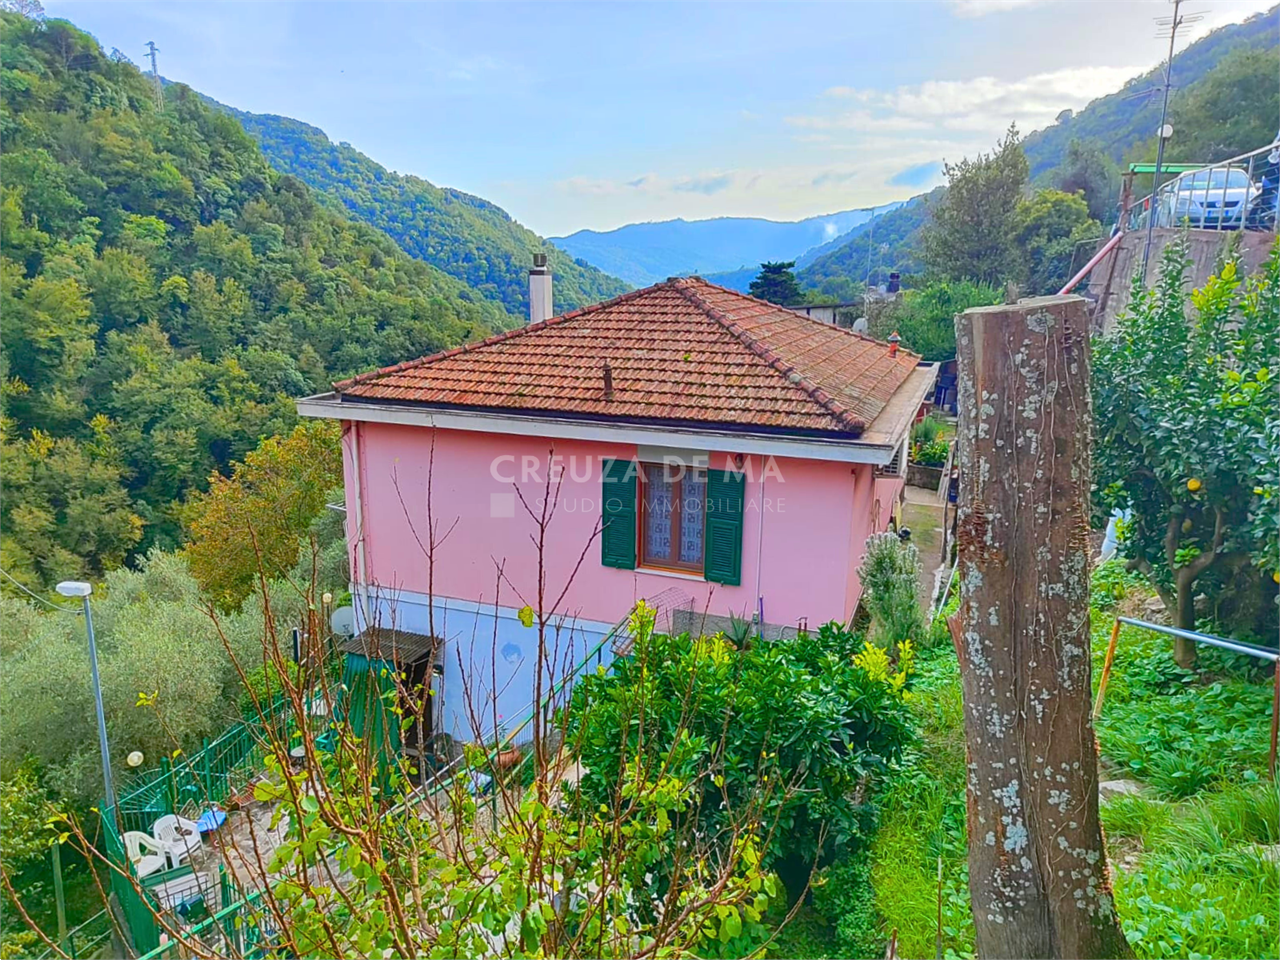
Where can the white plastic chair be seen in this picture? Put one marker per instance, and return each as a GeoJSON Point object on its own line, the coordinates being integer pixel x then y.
{"type": "Point", "coordinates": [178, 836]}
{"type": "Point", "coordinates": [145, 853]}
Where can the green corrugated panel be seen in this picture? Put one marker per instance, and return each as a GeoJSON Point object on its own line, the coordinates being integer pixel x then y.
{"type": "Point", "coordinates": [369, 697]}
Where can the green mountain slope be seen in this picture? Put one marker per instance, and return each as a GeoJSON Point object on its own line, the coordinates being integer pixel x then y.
{"type": "Point", "coordinates": [1121, 121]}
{"type": "Point", "coordinates": [644, 253]}
{"type": "Point", "coordinates": [890, 246]}
{"type": "Point", "coordinates": [164, 294]}
{"type": "Point", "coordinates": [1120, 125]}
{"type": "Point", "coordinates": [465, 236]}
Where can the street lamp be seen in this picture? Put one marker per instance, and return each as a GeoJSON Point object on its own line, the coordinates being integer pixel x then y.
{"type": "Point", "coordinates": [75, 588]}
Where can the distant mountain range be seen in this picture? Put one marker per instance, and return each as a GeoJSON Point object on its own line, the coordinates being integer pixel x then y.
{"type": "Point", "coordinates": [465, 236]}
{"type": "Point", "coordinates": [645, 253]}
{"type": "Point", "coordinates": [477, 242]}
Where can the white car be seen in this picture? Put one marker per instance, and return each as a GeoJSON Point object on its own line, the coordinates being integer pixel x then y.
{"type": "Point", "coordinates": [1213, 199]}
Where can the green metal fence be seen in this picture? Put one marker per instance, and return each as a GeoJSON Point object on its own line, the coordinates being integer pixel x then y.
{"type": "Point", "coordinates": [242, 927]}
{"type": "Point", "coordinates": [207, 776]}
{"type": "Point", "coordinates": [90, 939]}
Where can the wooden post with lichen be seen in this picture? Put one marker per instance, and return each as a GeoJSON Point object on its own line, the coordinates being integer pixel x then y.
{"type": "Point", "coordinates": [1038, 876]}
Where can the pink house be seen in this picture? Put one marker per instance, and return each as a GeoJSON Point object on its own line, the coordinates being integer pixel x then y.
{"type": "Point", "coordinates": [682, 440]}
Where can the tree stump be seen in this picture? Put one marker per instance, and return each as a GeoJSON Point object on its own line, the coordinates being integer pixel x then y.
{"type": "Point", "coordinates": [1037, 869]}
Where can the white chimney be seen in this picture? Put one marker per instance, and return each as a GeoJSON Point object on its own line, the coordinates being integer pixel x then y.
{"type": "Point", "coordinates": [540, 289]}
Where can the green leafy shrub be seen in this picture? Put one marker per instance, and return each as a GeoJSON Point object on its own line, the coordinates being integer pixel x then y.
{"type": "Point", "coordinates": [931, 454]}
{"type": "Point", "coordinates": [925, 317]}
{"type": "Point", "coordinates": [890, 577]}
{"type": "Point", "coordinates": [1109, 583]}
{"type": "Point", "coordinates": [844, 898]}
{"type": "Point", "coordinates": [939, 634]}
{"type": "Point", "coordinates": [707, 715]}
{"type": "Point", "coordinates": [1187, 428]}
{"type": "Point", "coordinates": [263, 685]}
{"type": "Point", "coordinates": [926, 431]}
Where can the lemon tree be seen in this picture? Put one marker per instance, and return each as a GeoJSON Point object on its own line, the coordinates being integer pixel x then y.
{"type": "Point", "coordinates": [1187, 438]}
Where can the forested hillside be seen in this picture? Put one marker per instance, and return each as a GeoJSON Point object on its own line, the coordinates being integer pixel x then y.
{"type": "Point", "coordinates": [165, 293]}
{"type": "Point", "coordinates": [891, 245]}
{"type": "Point", "coordinates": [1126, 119]}
{"type": "Point", "coordinates": [467, 237]}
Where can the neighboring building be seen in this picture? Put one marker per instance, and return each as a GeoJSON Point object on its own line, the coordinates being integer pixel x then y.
{"type": "Point", "coordinates": [705, 441]}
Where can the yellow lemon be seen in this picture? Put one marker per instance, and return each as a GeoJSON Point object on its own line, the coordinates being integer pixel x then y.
{"type": "Point", "coordinates": [1193, 484]}
{"type": "Point", "coordinates": [1276, 576]}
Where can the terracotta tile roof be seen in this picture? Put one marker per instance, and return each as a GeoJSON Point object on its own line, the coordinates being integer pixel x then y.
{"type": "Point", "coordinates": [681, 351]}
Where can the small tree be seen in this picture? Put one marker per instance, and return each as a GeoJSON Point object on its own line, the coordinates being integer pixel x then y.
{"type": "Point", "coordinates": [1089, 172]}
{"type": "Point", "coordinates": [890, 576]}
{"type": "Point", "coordinates": [1188, 428]}
{"type": "Point", "coordinates": [777, 283]}
{"type": "Point", "coordinates": [925, 318]}
{"type": "Point", "coordinates": [252, 522]}
{"type": "Point", "coordinates": [971, 236]}
{"type": "Point", "coordinates": [1049, 225]}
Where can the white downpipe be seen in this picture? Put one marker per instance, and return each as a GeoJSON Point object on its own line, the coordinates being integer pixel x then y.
{"type": "Point", "coordinates": [760, 549]}
{"type": "Point", "coordinates": [362, 562]}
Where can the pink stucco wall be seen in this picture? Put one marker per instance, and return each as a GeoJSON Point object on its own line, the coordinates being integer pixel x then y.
{"type": "Point", "coordinates": [804, 526]}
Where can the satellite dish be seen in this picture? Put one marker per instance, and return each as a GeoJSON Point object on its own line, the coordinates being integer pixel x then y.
{"type": "Point", "coordinates": [343, 622]}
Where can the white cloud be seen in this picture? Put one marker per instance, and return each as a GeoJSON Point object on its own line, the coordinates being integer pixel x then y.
{"type": "Point", "coordinates": [980, 8]}
{"type": "Point", "coordinates": [980, 105]}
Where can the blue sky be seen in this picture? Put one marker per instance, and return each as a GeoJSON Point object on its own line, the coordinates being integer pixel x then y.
{"type": "Point", "coordinates": [593, 115]}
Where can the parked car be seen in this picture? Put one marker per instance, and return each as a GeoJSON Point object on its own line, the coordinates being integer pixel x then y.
{"type": "Point", "coordinates": [1213, 199]}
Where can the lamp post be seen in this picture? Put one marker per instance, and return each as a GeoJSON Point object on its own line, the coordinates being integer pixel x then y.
{"type": "Point", "coordinates": [74, 588]}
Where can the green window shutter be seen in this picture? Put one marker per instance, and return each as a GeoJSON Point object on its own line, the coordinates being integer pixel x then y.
{"type": "Point", "coordinates": [723, 560]}
{"type": "Point", "coordinates": [618, 535]}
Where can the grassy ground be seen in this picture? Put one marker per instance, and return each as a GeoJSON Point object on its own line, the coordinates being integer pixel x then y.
{"type": "Point", "coordinates": [1192, 856]}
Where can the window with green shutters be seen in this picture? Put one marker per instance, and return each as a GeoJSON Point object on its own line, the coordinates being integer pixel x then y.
{"type": "Point", "coordinates": [659, 512]}
{"type": "Point", "coordinates": [618, 499]}
{"type": "Point", "coordinates": [723, 562]}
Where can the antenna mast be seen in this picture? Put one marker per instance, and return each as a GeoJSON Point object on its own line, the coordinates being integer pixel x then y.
{"type": "Point", "coordinates": [1173, 23]}
{"type": "Point", "coordinates": [152, 50]}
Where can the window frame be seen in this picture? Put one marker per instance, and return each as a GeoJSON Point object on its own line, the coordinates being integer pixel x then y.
{"type": "Point", "coordinates": [643, 561]}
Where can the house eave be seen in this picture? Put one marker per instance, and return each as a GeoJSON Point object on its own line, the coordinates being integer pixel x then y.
{"type": "Point", "coordinates": [878, 450]}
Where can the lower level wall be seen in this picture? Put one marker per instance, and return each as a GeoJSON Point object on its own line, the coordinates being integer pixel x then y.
{"type": "Point", "coordinates": [490, 658]}
{"type": "Point", "coordinates": [1111, 281]}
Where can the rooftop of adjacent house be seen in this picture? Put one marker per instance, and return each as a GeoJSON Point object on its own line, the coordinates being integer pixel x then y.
{"type": "Point", "coordinates": [684, 351]}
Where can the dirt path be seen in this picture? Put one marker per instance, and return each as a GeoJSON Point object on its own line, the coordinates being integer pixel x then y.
{"type": "Point", "coordinates": [922, 514]}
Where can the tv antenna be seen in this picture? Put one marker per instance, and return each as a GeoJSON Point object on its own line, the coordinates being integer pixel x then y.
{"type": "Point", "coordinates": [1170, 26]}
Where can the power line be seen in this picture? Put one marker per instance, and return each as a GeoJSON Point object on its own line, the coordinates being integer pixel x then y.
{"type": "Point", "coordinates": [35, 596]}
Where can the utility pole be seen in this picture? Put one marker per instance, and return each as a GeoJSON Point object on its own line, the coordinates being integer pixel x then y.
{"type": "Point", "coordinates": [152, 50]}
{"type": "Point", "coordinates": [1164, 132]}
{"type": "Point", "coordinates": [871, 236]}
{"type": "Point", "coordinates": [81, 590]}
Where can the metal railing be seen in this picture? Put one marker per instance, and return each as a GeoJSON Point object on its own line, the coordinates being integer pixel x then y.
{"type": "Point", "coordinates": [242, 926]}
{"type": "Point", "coordinates": [1235, 194]}
{"type": "Point", "coordinates": [88, 939]}
{"type": "Point", "coordinates": [1209, 640]}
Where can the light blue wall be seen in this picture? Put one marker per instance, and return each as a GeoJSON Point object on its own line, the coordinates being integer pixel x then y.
{"type": "Point", "coordinates": [489, 657]}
